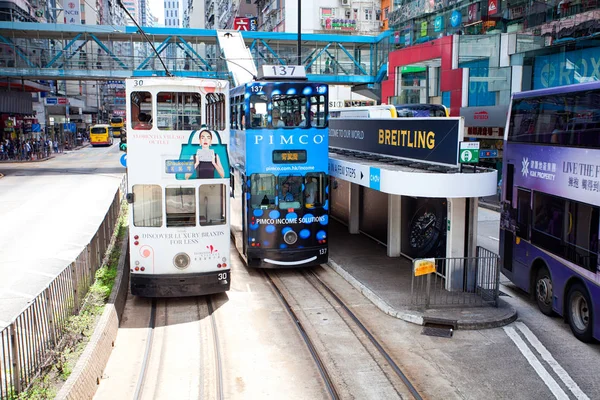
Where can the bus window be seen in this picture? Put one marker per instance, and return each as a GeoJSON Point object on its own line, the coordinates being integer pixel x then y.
{"type": "Point", "coordinates": [141, 110]}
{"type": "Point", "coordinates": [178, 111]}
{"type": "Point", "coordinates": [258, 110]}
{"type": "Point", "coordinates": [262, 191]}
{"type": "Point", "coordinates": [147, 205]}
{"type": "Point", "coordinates": [314, 190]}
{"type": "Point", "coordinates": [181, 206]}
{"type": "Point", "coordinates": [421, 110]}
{"type": "Point", "coordinates": [290, 191]}
{"type": "Point", "coordinates": [318, 112]}
{"type": "Point", "coordinates": [212, 205]}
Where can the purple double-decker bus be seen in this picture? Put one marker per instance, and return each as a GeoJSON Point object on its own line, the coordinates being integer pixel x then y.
{"type": "Point", "coordinates": [550, 202]}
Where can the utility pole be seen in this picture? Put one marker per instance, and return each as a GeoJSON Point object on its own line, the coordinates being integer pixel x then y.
{"type": "Point", "coordinates": [299, 32]}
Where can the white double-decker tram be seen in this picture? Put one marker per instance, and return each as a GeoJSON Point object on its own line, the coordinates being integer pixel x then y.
{"type": "Point", "coordinates": [178, 186]}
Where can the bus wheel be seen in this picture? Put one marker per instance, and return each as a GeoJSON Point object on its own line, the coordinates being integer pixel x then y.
{"type": "Point", "coordinates": [543, 291]}
{"type": "Point", "coordinates": [579, 312]}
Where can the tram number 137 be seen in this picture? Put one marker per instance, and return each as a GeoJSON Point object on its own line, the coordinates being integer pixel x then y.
{"type": "Point", "coordinates": [322, 251]}
{"type": "Point", "coordinates": [222, 276]}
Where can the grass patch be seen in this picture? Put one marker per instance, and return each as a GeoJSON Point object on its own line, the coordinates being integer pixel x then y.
{"type": "Point", "coordinates": [80, 327]}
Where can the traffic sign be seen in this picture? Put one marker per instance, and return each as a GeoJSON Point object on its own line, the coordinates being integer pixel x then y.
{"type": "Point", "coordinates": [124, 160]}
{"type": "Point", "coordinates": [469, 152]}
{"type": "Point", "coordinates": [488, 153]}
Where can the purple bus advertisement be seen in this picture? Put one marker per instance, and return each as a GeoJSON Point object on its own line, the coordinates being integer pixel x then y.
{"type": "Point", "coordinates": [550, 202]}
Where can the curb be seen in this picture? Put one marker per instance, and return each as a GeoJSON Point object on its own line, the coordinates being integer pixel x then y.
{"type": "Point", "coordinates": [490, 206]}
{"type": "Point", "coordinates": [375, 299]}
{"type": "Point", "coordinates": [419, 318]}
{"type": "Point", "coordinates": [86, 375]}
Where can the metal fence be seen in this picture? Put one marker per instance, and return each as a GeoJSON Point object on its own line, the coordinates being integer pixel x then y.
{"type": "Point", "coordinates": [27, 344]}
{"type": "Point", "coordinates": [470, 281]}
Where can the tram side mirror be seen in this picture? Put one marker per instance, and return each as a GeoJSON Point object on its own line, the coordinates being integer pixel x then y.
{"type": "Point", "coordinates": [130, 198]}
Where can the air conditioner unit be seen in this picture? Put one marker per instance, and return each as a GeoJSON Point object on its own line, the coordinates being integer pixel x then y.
{"type": "Point", "coordinates": [345, 2]}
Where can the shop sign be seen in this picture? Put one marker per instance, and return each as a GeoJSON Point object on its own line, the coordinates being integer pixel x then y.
{"type": "Point", "coordinates": [423, 139]}
{"type": "Point", "coordinates": [455, 18]}
{"type": "Point", "coordinates": [472, 12]}
{"type": "Point", "coordinates": [424, 266]}
{"type": "Point", "coordinates": [424, 28]}
{"type": "Point", "coordinates": [493, 7]}
{"type": "Point", "coordinates": [491, 116]}
{"type": "Point", "coordinates": [438, 23]}
{"type": "Point", "coordinates": [71, 10]}
{"type": "Point", "coordinates": [244, 24]}
{"type": "Point", "coordinates": [516, 12]}
{"type": "Point", "coordinates": [577, 66]}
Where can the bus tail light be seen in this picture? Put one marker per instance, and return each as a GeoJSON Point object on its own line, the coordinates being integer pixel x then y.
{"type": "Point", "coordinates": [224, 265]}
{"type": "Point", "coordinates": [137, 268]}
{"type": "Point", "coordinates": [143, 269]}
{"type": "Point", "coordinates": [136, 237]}
{"type": "Point", "coordinates": [218, 265]}
{"type": "Point", "coordinates": [136, 243]}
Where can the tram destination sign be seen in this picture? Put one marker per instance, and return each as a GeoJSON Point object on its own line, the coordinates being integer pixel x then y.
{"type": "Point", "coordinates": [429, 140]}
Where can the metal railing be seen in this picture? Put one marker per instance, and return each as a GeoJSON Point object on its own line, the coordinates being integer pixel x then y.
{"type": "Point", "coordinates": [461, 281]}
{"type": "Point", "coordinates": [28, 343]}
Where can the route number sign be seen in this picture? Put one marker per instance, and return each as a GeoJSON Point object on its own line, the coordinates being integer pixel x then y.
{"type": "Point", "coordinates": [281, 72]}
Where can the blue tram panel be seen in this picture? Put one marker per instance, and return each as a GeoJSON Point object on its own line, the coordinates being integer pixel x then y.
{"type": "Point", "coordinates": [281, 157]}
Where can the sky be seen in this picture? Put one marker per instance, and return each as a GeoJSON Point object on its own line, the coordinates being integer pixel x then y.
{"type": "Point", "coordinates": [158, 10]}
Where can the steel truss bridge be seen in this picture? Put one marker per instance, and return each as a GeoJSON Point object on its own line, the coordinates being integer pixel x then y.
{"type": "Point", "coordinates": [98, 52]}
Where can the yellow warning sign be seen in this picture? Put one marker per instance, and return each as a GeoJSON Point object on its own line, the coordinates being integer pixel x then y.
{"type": "Point", "coordinates": [424, 266]}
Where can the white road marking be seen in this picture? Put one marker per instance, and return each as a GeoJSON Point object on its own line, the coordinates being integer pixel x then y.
{"type": "Point", "coordinates": [537, 366]}
{"type": "Point", "coordinates": [493, 238]}
{"type": "Point", "coordinates": [248, 287]}
{"type": "Point", "coordinates": [562, 374]}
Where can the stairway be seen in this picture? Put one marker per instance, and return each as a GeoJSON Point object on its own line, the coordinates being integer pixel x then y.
{"type": "Point", "coordinates": [237, 56]}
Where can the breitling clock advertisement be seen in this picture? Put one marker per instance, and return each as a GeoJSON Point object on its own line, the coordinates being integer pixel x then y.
{"type": "Point", "coordinates": [423, 227]}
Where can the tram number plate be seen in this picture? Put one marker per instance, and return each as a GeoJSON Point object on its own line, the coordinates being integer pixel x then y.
{"type": "Point", "coordinates": [222, 276]}
{"type": "Point", "coordinates": [322, 251]}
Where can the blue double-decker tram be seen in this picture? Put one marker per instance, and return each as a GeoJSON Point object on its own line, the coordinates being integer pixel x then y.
{"type": "Point", "coordinates": [280, 206]}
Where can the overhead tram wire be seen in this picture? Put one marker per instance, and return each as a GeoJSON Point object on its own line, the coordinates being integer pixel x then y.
{"type": "Point", "coordinates": [167, 72]}
{"type": "Point", "coordinates": [254, 77]}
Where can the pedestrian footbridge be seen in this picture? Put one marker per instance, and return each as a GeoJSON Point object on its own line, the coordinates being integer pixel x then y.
{"type": "Point", "coordinates": [98, 52]}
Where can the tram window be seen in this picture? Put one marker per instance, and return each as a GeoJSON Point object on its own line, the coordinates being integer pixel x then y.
{"type": "Point", "coordinates": [212, 205]}
{"type": "Point", "coordinates": [141, 110]}
{"type": "Point", "coordinates": [181, 206]}
{"type": "Point", "coordinates": [147, 207]}
{"type": "Point", "coordinates": [178, 111]}
{"type": "Point", "coordinates": [290, 191]}
{"type": "Point", "coordinates": [262, 191]}
{"type": "Point", "coordinates": [314, 190]}
{"type": "Point", "coordinates": [288, 111]}
{"type": "Point", "coordinates": [258, 110]}
{"type": "Point", "coordinates": [318, 111]}
{"type": "Point", "coordinates": [215, 111]}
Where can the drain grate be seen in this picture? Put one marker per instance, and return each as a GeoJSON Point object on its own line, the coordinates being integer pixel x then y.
{"type": "Point", "coordinates": [437, 330]}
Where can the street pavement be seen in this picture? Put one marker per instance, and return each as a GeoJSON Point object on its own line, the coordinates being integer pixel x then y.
{"type": "Point", "coordinates": [49, 212]}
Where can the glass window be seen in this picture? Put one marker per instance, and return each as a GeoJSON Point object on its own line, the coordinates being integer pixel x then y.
{"type": "Point", "coordinates": [147, 205]}
{"type": "Point", "coordinates": [549, 215]}
{"type": "Point", "coordinates": [215, 111]}
{"type": "Point", "coordinates": [288, 111]}
{"type": "Point", "coordinates": [178, 111]}
{"type": "Point", "coordinates": [290, 191]}
{"type": "Point", "coordinates": [570, 119]}
{"type": "Point", "coordinates": [181, 206]}
{"type": "Point", "coordinates": [258, 111]}
{"type": "Point", "coordinates": [212, 205]}
{"type": "Point", "coordinates": [318, 111]}
{"type": "Point", "coordinates": [582, 235]}
{"type": "Point", "coordinates": [314, 190]}
{"type": "Point", "coordinates": [523, 213]}
{"type": "Point", "coordinates": [262, 191]}
{"type": "Point", "coordinates": [141, 110]}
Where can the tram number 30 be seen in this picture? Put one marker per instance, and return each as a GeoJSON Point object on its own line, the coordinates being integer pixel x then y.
{"type": "Point", "coordinates": [222, 276]}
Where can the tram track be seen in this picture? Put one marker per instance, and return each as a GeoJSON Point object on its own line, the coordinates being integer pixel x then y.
{"type": "Point", "coordinates": [336, 370]}
{"type": "Point", "coordinates": [159, 358]}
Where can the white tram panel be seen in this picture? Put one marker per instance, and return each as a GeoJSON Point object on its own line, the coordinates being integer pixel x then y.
{"type": "Point", "coordinates": [184, 227]}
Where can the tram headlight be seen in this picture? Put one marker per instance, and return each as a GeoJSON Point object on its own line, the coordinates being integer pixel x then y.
{"type": "Point", "coordinates": [290, 237]}
{"type": "Point", "coordinates": [181, 260]}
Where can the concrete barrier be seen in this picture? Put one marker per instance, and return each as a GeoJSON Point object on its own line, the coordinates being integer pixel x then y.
{"type": "Point", "coordinates": [86, 375]}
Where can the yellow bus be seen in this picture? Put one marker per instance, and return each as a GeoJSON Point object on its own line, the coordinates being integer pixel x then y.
{"type": "Point", "coordinates": [101, 135]}
{"type": "Point", "coordinates": [117, 124]}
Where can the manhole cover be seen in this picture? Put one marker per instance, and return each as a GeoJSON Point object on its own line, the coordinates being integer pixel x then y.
{"type": "Point", "coordinates": [437, 330]}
